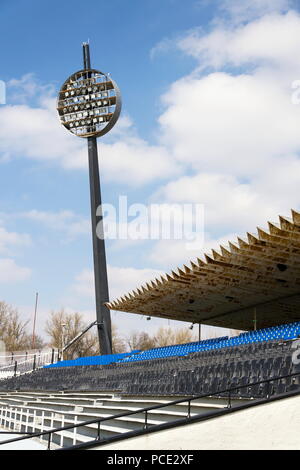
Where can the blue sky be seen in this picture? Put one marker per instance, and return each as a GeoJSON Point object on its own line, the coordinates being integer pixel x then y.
{"type": "Point", "coordinates": [208, 117]}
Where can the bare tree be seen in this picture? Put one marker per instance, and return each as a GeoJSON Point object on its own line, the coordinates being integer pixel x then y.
{"type": "Point", "coordinates": [140, 340]}
{"type": "Point", "coordinates": [167, 336]}
{"type": "Point", "coordinates": [184, 335]}
{"type": "Point", "coordinates": [118, 342]}
{"type": "Point", "coordinates": [4, 312]}
{"type": "Point", "coordinates": [13, 331]}
{"type": "Point", "coordinates": [62, 327]}
{"type": "Point", "coordinates": [235, 332]}
{"type": "Point", "coordinates": [164, 337]}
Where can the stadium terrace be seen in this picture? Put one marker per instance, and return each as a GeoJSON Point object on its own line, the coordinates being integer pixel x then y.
{"type": "Point", "coordinates": [165, 397]}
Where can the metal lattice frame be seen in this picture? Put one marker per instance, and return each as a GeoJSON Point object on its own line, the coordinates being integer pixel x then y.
{"type": "Point", "coordinates": [89, 103]}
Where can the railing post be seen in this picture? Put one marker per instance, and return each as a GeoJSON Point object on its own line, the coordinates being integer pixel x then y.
{"type": "Point", "coordinates": [146, 420]}
{"type": "Point", "coordinates": [52, 356]}
{"type": "Point", "coordinates": [3, 416]}
{"type": "Point", "coordinates": [75, 431]}
{"type": "Point", "coordinates": [49, 441]}
{"type": "Point", "coordinates": [42, 424]}
{"type": "Point", "coordinates": [229, 399]}
{"type": "Point", "coordinates": [14, 420]}
{"type": "Point", "coordinates": [268, 390]}
{"type": "Point", "coordinates": [98, 431]}
{"type": "Point", "coordinates": [51, 427]}
{"type": "Point", "coordinates": [15, 368]}
{"type": "Point", "coordinates": [189, 409]}
{"type": "Point", "coordinates": [62, 432]}
{"type": "Point", "coordinates": [34, 421]}
{"type": "Point", "coordinates": [27, 420]}
{"type": "Point", "coordinates": [34, 362]}
{"type": "Point", "coordinates": [21, 418]}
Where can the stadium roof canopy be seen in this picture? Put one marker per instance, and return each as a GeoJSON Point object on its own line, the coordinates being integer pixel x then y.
{"type": "Point", "coordinates": [257, 279]}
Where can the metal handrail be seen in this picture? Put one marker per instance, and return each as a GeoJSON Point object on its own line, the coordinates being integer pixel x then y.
{"type": "Point", "coordinates": [188, 399]}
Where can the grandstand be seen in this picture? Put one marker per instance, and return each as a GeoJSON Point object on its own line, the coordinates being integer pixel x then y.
{"type": "Point", "coordinates": [102, 401]}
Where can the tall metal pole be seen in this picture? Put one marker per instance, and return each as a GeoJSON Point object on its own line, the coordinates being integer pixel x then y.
{"type": "Point", "coordinates": [100, 269]}
{"type": "Point", "coordinates": [34, 320]}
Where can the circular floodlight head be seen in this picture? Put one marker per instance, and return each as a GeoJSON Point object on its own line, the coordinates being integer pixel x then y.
{"type": "Point", "coordinates": [89, 103]}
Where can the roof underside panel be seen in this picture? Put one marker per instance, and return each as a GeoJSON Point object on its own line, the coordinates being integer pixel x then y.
{"type": "Point", "coordinates": [257, 278]}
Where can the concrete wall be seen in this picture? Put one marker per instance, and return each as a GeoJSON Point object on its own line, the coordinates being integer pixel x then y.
{"type": "Point", "coordinates": [275, 425]}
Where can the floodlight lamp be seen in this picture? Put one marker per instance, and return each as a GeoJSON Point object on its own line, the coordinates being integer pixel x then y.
{"type": "Point", "coordinates": [81, 92]}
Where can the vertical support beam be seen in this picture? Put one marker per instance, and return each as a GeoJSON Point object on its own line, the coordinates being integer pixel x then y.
{"type": "Point", "coordinates": [100, 268]}
{"type": "Point", "coordinates": [255, 319]}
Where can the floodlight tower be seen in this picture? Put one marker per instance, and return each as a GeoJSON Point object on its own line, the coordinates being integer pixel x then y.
{"type": "Point", "coordinates": [89, 105]}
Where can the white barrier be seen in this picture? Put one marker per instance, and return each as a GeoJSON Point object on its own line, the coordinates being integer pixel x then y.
{"type": "Point", "coordinates": [16, 364]}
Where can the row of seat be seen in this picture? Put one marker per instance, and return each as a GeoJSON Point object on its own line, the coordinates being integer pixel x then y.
{"type": "Point", "coordinates": [285, 332]}
{"type": "Point", "coordinates": [92, 360]}
{"type": "Point", "coordinates": [200, 372]}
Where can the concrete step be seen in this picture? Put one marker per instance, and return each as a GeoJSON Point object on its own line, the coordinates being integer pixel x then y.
{"type": "Point", "coordinates": [164, 414]}
{"type": "Point", "coordinates": [41, 411]}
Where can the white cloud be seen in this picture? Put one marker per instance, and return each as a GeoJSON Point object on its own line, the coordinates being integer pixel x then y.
{"type": "Point", "coordinates": [133, 161]}
{"type": "Point", "coordinates": [231, 15]}
{"type": "Point", "coordinates": [172, 254]}
{"type": "Point", "coordinates": [121, 280]}
{"type": "Point", "coordinates": [10, 243]}
{"type": "Point", "coordinates": [9, 240]}
{"type": "Point", "coordinates": [35, 133]}
{"type": "Point", "coordinates": [239, 131]}
{"type": "Point", "coordinates": [231, 205]}
{"type": "Point", "coordinates": [272, 40]}
{"type": "Point", "coordinates": [242, 10]}
{"type": "Point", "coordinates": [10, 272]}
{"type": "Point", "coordinates": [84, 283]}
{"type": "Point", "coordinates": [66, 221]}
{"type": "Point", "coordinates": [236, 124]}
{"type": "Point", "coordinates": [26, 88]}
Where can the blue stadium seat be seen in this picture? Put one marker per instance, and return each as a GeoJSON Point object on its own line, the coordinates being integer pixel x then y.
{"type": "Point", "coordinates": [92, 360]}
{"type": "Point", "coordinates": [284, 332]}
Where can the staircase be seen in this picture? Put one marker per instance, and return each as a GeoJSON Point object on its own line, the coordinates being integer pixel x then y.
{"type": "Point", "coordinates": [38, 412]}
